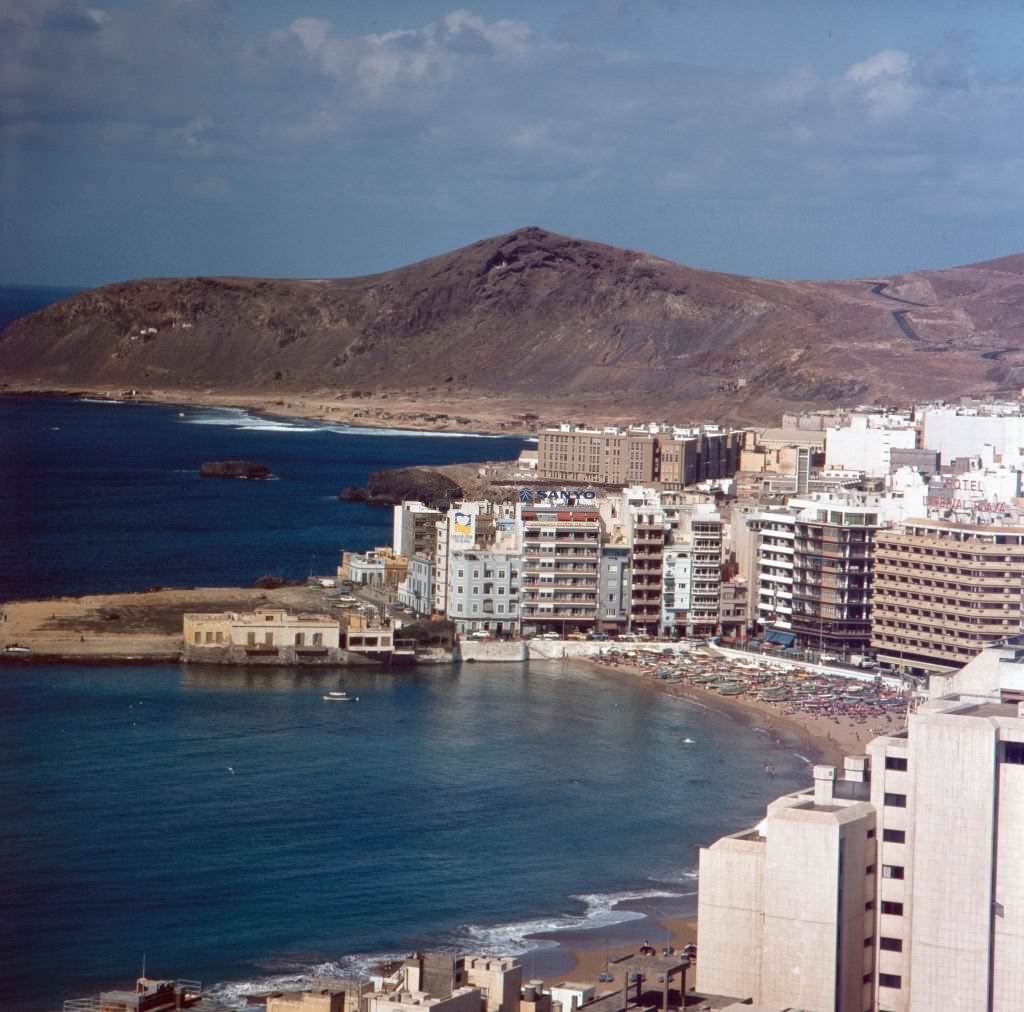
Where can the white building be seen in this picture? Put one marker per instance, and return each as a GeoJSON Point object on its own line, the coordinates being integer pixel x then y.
{"type": "Point", "coordinates": [784, 907]}
{"type": "Point", "coordinates": [963, 431]}
{"type": "Point", "coordinates": [898, 887]}
{"type": "Point", "coordinates": [484, 591]}
{"type": "Point", "coordinates": [950, 798]}
{"type": "Point", "coordinates": [417, 590]}
{"type": "Point", "coordinates": [865, 442]}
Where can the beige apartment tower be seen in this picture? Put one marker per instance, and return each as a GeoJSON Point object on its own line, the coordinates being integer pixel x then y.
{"type": "Point", "coordinates": [942, 591]}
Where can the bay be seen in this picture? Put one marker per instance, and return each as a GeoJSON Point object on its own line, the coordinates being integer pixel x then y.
{"type": "Point", "coordinates": [234, 827]}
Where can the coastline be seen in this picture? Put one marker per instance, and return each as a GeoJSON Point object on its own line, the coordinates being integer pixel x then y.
{"type": "Point", "coordinates": [818, 739]}
{"type": "Point", "coordinates": [408, 411]}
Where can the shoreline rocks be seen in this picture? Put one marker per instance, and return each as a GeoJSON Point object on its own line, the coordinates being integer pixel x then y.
{"type": "Point", "coordinates": [392, 486]}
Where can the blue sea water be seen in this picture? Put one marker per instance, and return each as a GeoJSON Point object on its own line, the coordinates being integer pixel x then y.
{"type": "Point", "coordinates": [106, 496]}
{"type": "Point", "coordinates": [236, 828]}
{"type": "Point", "coordinates": [231, 825]}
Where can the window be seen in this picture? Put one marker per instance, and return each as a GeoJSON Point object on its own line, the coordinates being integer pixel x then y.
{"type": "Point", "coordinates": [893, 980]}
{"type": "Point", "coordinates": [890, 944]}
{"type": "Point", "coordinates": [318, 639]}
{"type": "Point", "coordinates": [892, 871]}
{"type": "Point", "coordinates": [894, 836]}
{"type": "Point", "coordinates": [300, 639]}
{"type": "Point", "coordinates": [893, 762]}
{"type": "Point", "coordinates": [268, 639]}
{"type": "Point", "coordinates": [871, 834]}
{"type": "Point", "coordinates": [894, 909]}
{"type": "Point", "coordinates": [870, 905]}
{"type": "Point", "coordinates": [1013, 752]}
{"type": "Point", "coordinates": [869, 941]}
{"type": "Point", "coordinates": [869, 870]}
{"type": "Point", "coordinates": [895, 800]}
{"type": "Point", "coordinates": [199, 637]}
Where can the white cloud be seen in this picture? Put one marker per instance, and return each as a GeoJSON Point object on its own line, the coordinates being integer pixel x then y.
{"type": "Point", "coordinates": [886, 83]}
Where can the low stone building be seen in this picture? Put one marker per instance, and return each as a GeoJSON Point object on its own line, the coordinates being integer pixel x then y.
{"type": "Point", "coordinates": [265, 636]}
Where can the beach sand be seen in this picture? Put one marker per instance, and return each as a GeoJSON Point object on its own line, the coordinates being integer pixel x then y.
{"type": "Point", "coordinates": [144, 624]}
{"type": "Point", "coordinates": [821, 739]}
{"type": "Point", "coordinates": [582, 955]}
{"type": "Point", "coordinates": [437, 411]}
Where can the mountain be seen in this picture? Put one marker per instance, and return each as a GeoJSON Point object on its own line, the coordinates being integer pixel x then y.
{"type": "Point", "coordinates": [560, 320]}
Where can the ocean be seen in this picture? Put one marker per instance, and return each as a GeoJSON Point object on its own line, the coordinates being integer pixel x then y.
{"type": "Point", "coordinates": [100, 496]}
{"type": "Point", "coordinates": [229, 825]}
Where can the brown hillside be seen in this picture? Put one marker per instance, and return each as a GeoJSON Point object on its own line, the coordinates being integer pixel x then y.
{"type": "Point", "coordinates": [547, 316]}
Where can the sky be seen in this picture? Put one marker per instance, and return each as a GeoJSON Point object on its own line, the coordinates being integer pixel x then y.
{"type": "Point", "coordinates": [325, 138]}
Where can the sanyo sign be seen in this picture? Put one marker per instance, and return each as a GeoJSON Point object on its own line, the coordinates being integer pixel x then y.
{"type": "Point", "coordinates": [556, 495]}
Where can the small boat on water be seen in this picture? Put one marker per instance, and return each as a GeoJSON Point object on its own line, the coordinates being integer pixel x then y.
{"type": "Point", "coordinates": [340, 697]}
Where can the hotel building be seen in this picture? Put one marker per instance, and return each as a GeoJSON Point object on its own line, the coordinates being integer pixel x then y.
{"type": "Point", "coordinates": [942, 591]}
{"type": "Point", "coordinates": [671, 455]}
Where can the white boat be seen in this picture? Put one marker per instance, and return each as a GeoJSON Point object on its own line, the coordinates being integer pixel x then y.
{"type": "Point", "coordinates": [340, 697]}
{"type": "Point", "coordinates": [15, 648]}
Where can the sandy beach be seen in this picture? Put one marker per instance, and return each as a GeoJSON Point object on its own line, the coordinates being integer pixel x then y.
{"type": "Point", "coordinates": [820, 738]}
{"type": "Point", "coordinates": [437, 411]}
{"type": "Point", "coordinates": [584, 954]}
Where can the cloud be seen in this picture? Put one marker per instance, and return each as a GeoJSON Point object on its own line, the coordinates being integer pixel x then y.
{"type": "Point", "coordinates": [493, 118]}
{"type": "Point", "coordinates": [886, 84]}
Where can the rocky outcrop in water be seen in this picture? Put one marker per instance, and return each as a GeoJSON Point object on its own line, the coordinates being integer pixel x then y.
{"type": "Point", "coordinates": [234, 469]}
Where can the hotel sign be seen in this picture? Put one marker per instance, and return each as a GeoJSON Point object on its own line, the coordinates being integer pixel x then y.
{"type": "Point", "coordinates": [962, 495]}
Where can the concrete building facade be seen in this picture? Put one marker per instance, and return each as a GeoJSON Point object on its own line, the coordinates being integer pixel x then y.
{"type": "Point", "coordinates": [484, 591]}
{"type": "Point", "coordinates": [414, 529]}
{"type": "Point", "coordinates": [943, 590]}
{"type": "Point", "coordinates": [268, 635]}
{"type": "Point", "coordinates": [785, 909]}
{"type": "Point", "coordinates": [561, 569]}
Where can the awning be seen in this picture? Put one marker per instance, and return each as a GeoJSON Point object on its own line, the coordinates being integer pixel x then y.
{"type": "Point", "coordinates": [780, 638]}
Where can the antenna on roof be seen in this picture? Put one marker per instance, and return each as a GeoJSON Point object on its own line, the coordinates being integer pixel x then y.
{"type": "Point", "coordinates": [143, 964]}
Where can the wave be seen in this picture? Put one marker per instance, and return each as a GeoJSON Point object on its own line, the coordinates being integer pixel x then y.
{"type": "Point", "coordinates": [513, 939]}
{"type": "Point", "coordinates": [600, 911]}
{"type": "Point", "coordinates": [685, 876]}
{"type": "Point", "coordinates": [239, 418]}
{"type": "Point", "coordinates": [235, 994]}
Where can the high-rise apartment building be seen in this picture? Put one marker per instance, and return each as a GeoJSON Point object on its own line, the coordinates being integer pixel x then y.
{"type": "Point", "coordinates": [560, 572]}
{"type": "Point", "coordinates": [414, 529]}
{"type": "Point", "coordinates": [646, 530]}
{"type": "Point", "coordinates": [896, 887]}
{"type": "Point", "coordinates": [773, 571]}
{"type": "Point", "coordinates": [833, 548]}
{"type": "Point", "coordinates": [950, 908]}
{"type": "Point", "coordinates": [785, 908]}
{"type": "Point", "coordinates": [942, 590]}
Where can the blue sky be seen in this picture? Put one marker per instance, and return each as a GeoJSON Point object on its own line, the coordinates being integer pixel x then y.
{"type": "Point", "coordinates": [315, 138]}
